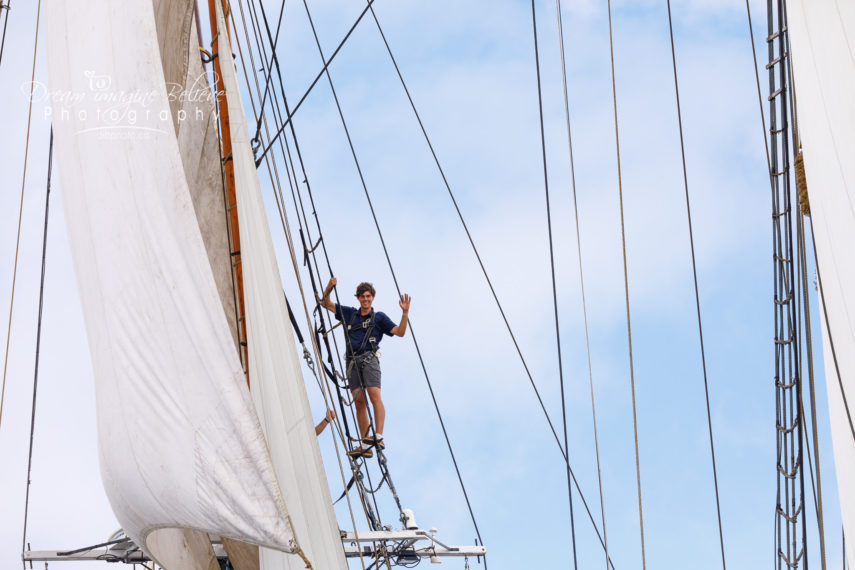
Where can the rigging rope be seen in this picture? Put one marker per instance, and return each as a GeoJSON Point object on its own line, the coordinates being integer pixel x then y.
{"type": "Point", "coordinates": [626, 291]}
{"type": "Point", "coordinates": [791, 533]}
{"type": "Point", "coordinates": [483, 269]}
{"type": "Point", "coordinates": [695, 277]}
{"type": "Point", "coordinates": [291, 249]}
{"type": "Point", "coordinates": [20, 211]}
{"type": "Point", "coordinates": [389, 261]}
{"type": "Point", "coordinates": [373, 521]}
{"type": "Point", "coordinates": [469, 235]}
{"type": "Point", "coordinates": [582, 277]}
{"type": "Point", "coordinates": [287, 122]}
{"type": "Point", "coordinates": [830, 338]}
{"type": "Point", "coordinates": [268, 81]}
{"type": "Point", "coordinates": [802, 210]}
{"type": "Point", "coordinates": [759, 93]}
{"type": "Point", "coordinates": [275, 61]}
{"type": "Point", "coordinates": [38, 346]}
{"type": "Point", "coordinates": [4, 5]}
{"type": "Point", "coordinates": [808, 338]}
{"type": "Point", "coordinates": [554, 287]}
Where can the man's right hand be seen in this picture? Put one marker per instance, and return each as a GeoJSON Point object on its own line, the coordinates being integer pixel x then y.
{"type": "Point", "coordinates": [325, 300]}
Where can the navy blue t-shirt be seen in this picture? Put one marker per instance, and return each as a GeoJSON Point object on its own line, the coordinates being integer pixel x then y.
{"type": "Point", "coordinates": [357, 325]}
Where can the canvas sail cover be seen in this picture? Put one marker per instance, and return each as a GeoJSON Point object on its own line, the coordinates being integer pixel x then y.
{"type": "Point", "coordinates": [823, 48]}
{"type": "Point", "coordinates": [278, 389]}
{"type": "Point", "coordinates": [180, 444]}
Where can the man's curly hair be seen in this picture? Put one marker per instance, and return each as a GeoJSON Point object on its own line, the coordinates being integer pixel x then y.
{"type": "Point", "coordinates": [363, 287]}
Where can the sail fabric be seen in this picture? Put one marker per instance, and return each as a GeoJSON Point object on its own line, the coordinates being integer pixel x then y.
{"type": "Point", "coordinates": [180, 444]}
{"type": "Point", "coordinates": [822, 35]}
{"type": "Point", "coordinates": [276, 381]}
{"type": "Point", "coordinates": [193, 117]}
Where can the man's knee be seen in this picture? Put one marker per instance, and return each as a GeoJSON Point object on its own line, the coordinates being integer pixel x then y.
{"type": "Point", "coordinates": [374, 394]}
{"type": "Point", "coordinates": [359, 398]}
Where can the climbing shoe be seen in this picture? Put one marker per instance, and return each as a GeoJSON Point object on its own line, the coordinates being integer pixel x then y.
{"type": "Point", "coordinates": [361, 452]}
{"type": "Point", "coordinates": [374, 441]}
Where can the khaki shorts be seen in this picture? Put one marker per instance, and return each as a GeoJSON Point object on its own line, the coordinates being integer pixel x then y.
{"type": "Point", "coordinates": [366, 366]}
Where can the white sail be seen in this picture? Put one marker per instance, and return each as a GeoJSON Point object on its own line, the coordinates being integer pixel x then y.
{"type": "Point", "coordinates": [277, 386]}
{"type": "Point", "coordinates": [195, 120]}
{"type": "Point", "coordinates": [823, 49]}
{"type": "Point", "coordinates": [179, 442]}
{"type": "Point", "coordinates": [193, 116]}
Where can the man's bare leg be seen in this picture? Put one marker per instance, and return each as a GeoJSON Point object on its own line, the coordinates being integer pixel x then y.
{"type": "Point", "coordinates": [379, 411]}
{"type": "Point", "coordinates": [361, 411]}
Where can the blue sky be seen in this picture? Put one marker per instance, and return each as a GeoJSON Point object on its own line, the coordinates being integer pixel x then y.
{"type": "Point", "coordinates": [470, 68]}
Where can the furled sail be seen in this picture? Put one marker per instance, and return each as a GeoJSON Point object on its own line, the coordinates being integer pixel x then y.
{"type": "Point", "coordinates": [180, 444]}
{"type": "Point", "coordinates": [278, 390]}
{"type": "Point", "coordinates": [823, 48]}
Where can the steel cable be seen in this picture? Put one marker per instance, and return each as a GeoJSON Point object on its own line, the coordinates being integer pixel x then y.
{"type": "Point", "coordinates": [554, 286]}
{"type": "Point", "coordinates": [4, 5]}
{"type": "Point", "coordinates": [288, 112]}
{"type": "Point", "coordinates": [582, 278]}
{"type": "Point", "coordinates": [695, 278]}
{"type": "Point", "coordinates": [392, 270]}
{"type": "Point", "coordinates": [20, 213]}
{"type": "Point", "coordinates": [274, 175]}
{"type": "Point", "coordinates": [626, 291]}
{"type": "Point", "coordinates": [483, 269]}
{"type": "Point", "coordinates": [38, 346]}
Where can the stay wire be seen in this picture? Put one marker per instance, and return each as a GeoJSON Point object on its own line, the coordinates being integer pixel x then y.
{"type": "Point", "coordinates": [268, 81]}
{"type": "Point", "coordinates": [626, 291]}
{"type": "Point", "coordinates": [484, 271]}
{"type": "Point", "coordinates": [554, 286]}
{"type": "Point", "coordinates": [759, 91]}
{"type": "Point", "coordinates": [809, 342]}
{"type": "Point", "coordinates": [296, 195]}
{"type": "Point", "coordinates": [469, 237]}
{"type": "Point", "coordinates": [695, 278]}
{"type": "Point", "coordinates": [288, 112]}
{"type": "Point", "coordinates": [285, 149]}
{"type": "Point", "coordinates": [320, 74]}
{"type": "Point", "coordinates": [831, 337]}
{"type": "Point", "coordinates": [272, 169]}
{"type": "Point", "coordinates": [38, 346]}
{"type": "Point", "coordinates": [7, 6]}
{"type": "Point", "coordinates": [301, 209]}
{"type": "Point", "coordinates": [283, 217]}
{"type": "Point", "coordinates": [794, 111]}
{"type": "Point", "coordinates": [582, 276]}
{"type": "Point", "coordinates": [20, 212]}
{"type": "Point", "coordinates": [394, 277]}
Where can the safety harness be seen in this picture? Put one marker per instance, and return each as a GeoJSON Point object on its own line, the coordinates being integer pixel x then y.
{"type": "Point", "coordinates": [367, 324]}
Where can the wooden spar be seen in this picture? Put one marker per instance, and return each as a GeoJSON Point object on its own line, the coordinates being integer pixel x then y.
{"type": "Point", "coordinates": [229, 173]}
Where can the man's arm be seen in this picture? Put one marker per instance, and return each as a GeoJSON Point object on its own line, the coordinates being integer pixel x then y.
{"type": "Point", "coordinates": [325, 301]}
{"type": "Point", "coordinates": [323, 423]}
{"type": "Point", "coordinates": [401, 328]}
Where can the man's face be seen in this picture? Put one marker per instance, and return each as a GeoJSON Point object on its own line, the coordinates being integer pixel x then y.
{"type": "Point", "coordinates": [365, 300]}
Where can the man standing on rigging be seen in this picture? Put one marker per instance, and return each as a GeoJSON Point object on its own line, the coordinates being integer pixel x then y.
{"type": "Point", "coordinates": [365, 329]}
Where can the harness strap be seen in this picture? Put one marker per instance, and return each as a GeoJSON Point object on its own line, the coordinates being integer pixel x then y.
{"type": "Point", "coordinates": [368, 332]}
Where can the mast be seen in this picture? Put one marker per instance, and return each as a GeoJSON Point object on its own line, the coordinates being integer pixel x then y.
{"type": "Point", "coordinates": [229, 177]}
